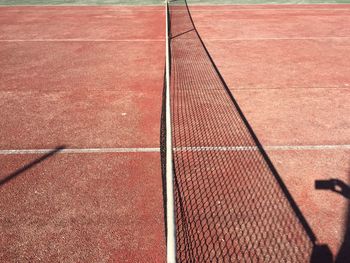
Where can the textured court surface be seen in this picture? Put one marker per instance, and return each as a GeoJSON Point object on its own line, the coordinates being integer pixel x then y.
{"type": "Point", "coordinates": [72, 78]}
{"type": "Point", "coordinates": [290, 67]}
{"type": "Point", "coordinates": [90, 79]}
{"type": "Point", "coordinates": [81, 2]}
{"type": "Point", "coordinates": [160, 2]}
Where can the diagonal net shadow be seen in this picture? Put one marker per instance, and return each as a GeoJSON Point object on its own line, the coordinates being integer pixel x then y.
{"type": "Point", "coordinates": [231, 204]}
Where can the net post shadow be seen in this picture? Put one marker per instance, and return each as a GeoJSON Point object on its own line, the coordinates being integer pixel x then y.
{"type": "Point", "coordinates": [30, 165]}
{"type": "Point", "coordinates": [341, 188]}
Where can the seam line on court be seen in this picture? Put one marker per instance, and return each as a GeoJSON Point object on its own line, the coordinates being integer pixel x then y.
{"type": "Point", "coordinates": [179, 149]}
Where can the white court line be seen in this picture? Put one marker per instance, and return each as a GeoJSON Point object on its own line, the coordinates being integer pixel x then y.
{"type": "Point", "coordinates": [178, 149]}
{"type": "Point", "coordinates": [93, 6]}
{"type": "Point", "coordinates": [261, 88]}
{"type": "Point", "coordinates": [311, 6]}
{"type": "Point", "coordinates": [194, 10]}
{"type": "Point", "coordinates": [309, 147]}
{"type": "Point", "coordinates": [274, 38]}
{"type": "Point", "coordinates": [80, 40]}
{"type": "Point", "coordinates": [81, 150]}
{"type": "Point", "coordinates": [268, 148]}
{"type": "Point", "coordinates": [163, 40]}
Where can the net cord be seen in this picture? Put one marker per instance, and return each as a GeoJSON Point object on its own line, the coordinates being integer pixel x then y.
{"type": "Point", "coordinates": [170, 210]}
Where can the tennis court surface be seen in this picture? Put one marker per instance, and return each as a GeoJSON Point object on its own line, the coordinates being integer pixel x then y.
{"type": "Point", "coordinates": [260, 102]}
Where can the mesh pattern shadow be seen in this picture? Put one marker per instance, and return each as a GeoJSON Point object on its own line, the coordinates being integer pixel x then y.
{"type": "Point", "coordinates": [231, 204]}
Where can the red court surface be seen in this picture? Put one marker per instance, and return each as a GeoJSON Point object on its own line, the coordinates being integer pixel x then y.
{"type": "Point", "coordinates": [82, 77]}
{"type": "Point", "coordinates": [83, 208]}
{"type": "Point", "coordinates": [288, 67]}
{"type": "Point", "coordinates": [92, 77]}
{"type": "Point", "coordinates": [85, 94]}
{"type": "Point", "coordinates": [88, 23]}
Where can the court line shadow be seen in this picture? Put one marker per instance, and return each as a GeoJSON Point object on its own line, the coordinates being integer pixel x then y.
{"type": "Point", "coordinates": [30, 165]}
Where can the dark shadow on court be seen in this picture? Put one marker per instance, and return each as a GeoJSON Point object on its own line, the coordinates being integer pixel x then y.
{"type": "Point", "coordinates": [339, 187]}
{"type": "Point", "coordinates": [231, 204]}
{"type": "Point", "coordinates": [334, 185]}
{"type": "Point", "coordinates": [163, 154]}
{"type": "Point", "coordinates": [343, 255]}
{"type": "Point", "coordinates": [30, 165]}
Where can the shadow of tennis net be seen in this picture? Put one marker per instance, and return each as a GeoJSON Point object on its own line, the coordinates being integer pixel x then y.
{"type": "Point", "coordinates": [230, 203]}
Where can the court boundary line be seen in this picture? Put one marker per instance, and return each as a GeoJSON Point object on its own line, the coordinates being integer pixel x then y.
{"type": "Point", "coordinates": [242, 88]}
{"type": "Point", "coordinates": [163, 40]}
{"type": "Point", "coordinates": [178, 149]}
{"type": "Point", "coordinates": [80, 150]}
{"type": "Point", "coordinates": [194, 5]}
{"type": "Point", "coordinates": [267, 148]}
{"type": "Point", "coordinates": [270, 4]}
{"type": "Point", "coordinates": [81, 40]}
{"type": "Point", "coordinates": [275, 38]}
{"type": "Point", "coordinates": [263, 9]}
{"type": "Point", "coordinates": [78, 5]}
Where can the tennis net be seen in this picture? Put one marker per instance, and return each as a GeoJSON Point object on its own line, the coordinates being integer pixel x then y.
{"type": "Point", "coordinates": [230, 203]}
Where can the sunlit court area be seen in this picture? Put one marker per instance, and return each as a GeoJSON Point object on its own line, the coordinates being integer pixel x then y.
{"type": "Point", "coordinates": [175, 131]}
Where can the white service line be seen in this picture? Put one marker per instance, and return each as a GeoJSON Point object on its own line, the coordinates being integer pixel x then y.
{"type": "Point", "coordinates": [194, 11]}
{"type": "Point", "coordinates": [163, 40]}
{"type": "Point", "coordinates": [81, 40]}
{"type": "Point", "coordinates": [268, 148]}
{"type": "Point", "coordinates": [178, 149]}
{"type": "Point", "coordinates": [308, 147]}
{"type": "Point", "coordinates": [198, 8]}
{"type": "Point", "coordinates": [118, 7]}
{"type": "Point", "coordinates": [276, 38]}
{"type": "Point", "coordinates": [81, 150]}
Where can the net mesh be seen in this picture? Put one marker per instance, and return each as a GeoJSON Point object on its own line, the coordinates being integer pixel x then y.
{"type": "Point", "coordinates": [230, 203]}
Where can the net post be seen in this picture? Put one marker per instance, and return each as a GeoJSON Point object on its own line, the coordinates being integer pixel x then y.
{"type": "Point", "coordinates": [170, 209]}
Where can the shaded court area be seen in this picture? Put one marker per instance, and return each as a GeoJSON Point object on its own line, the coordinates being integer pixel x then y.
{"type": "Point", "coordinates": [287, 67]}
{"type": "Point", "coordinates": [80, 97]}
